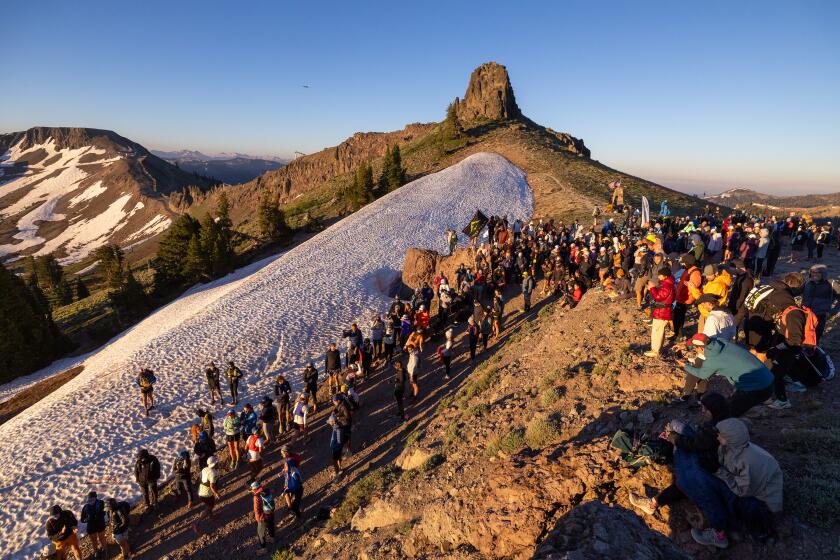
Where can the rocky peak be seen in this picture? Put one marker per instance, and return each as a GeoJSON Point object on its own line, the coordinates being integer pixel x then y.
{"type": "Point", "coordinates": [489, 95]}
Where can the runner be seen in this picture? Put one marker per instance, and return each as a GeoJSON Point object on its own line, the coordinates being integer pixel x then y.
{"type": "Point", "coordinates": [292, 481]}
{"type": "Point", "coordinates": [233, 435]}
{"type": "Point", "coordinates": [310, 383]}
{"type": "Point", "coordinates": [208, 493]}
{"type": "Point", "coordinates": [62, 529]}
{"type": "Point", "coordinates": [413, 369]}
{"type": "Point", "coordinates": [400, 378]}
{"type": "Point", "coordinates": [300, 414]}
{"type": "Point", "coordinates": [147, 474]}
{"type": "Point", "coordinates": [332, 365]}
{"type": "Point", "coordinates": [204, 448]}
{"type": "Point", "coordinates": [283, 394]}
{"type": "Point", "coordinates": [234, 374]}
{"type": "Point", "coordinates": [118, 521]}
{"type": "Point", "coordinates": [254, 446]}
{"type": "Point", "coordinates": [182, 469]}
{"type": "Point", "coordinates": [268, 417]}
{"type": "Point", "coordinates": [264, 515]}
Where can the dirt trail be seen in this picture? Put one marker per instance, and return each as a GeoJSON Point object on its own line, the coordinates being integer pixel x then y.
{"type": "Point", "coordinates": [377, 439]}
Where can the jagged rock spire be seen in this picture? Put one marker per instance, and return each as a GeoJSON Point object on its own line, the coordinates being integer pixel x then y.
{"type": "Point", "coordinates": [489, 95]}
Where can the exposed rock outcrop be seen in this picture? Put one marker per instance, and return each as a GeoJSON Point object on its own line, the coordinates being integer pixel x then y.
{"type": "Point", "coordinates": [421, 265]}
{"type": "Point", "coordinates": [594, 531]}
{"type": "Point", "coordinates": [489, 95]}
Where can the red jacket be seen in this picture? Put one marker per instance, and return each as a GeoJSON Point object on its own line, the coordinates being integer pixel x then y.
{"type": "Point", "coordinates": [688, 290]}
{"type": "Point", "coordinates": [259, 514]}
{"type": "Point", "coordinates": [663, 295]}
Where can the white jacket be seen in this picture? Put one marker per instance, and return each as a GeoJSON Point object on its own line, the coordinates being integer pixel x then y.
{"type": "Point", "coordinates": [721, 324]}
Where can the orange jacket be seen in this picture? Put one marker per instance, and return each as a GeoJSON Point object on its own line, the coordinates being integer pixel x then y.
{"type": "Point", "coordinates": [688, 290]}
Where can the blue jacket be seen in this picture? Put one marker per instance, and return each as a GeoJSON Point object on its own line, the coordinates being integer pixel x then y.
{"type": "Point", "coordinates": [248, 420]}
{"type": "Point", "coordinates": [737, 365]}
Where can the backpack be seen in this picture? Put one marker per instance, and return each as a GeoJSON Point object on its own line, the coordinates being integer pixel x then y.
{"type": "Point", "coordinates": [810, 335]}
{"type": "Point", "coordinates": [147, 379]}
{"type": "Point", "coordinates": [757, 295]}
{"type": "Point", "coordinates": [293, 479]}
{"type": "Point", "coordinates": [267, 501]}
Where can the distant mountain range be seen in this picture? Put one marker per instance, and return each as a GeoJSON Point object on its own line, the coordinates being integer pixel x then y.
{"type": "Point", "coordinates": [71, 190]}
{"type": "Point", "coordinates": [226, 167]}
{"type": "Point", "coordinates": [818, 205]}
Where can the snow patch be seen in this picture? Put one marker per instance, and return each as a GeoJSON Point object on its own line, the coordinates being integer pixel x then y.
{"type": "Point", "coordinates": [89, 193]}
{"type": "Point", "coordinates": [272, 316]}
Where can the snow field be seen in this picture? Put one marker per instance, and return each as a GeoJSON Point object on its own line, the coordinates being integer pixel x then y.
{"type": "Point", "coordinates": [271, 317]}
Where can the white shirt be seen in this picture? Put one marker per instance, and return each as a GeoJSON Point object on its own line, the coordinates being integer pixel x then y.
{"type": "Point", "coordinates": [209, 476]}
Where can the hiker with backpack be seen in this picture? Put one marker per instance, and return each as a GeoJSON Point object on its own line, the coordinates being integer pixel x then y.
{"type": "Point", "coordinates": [204, 448]}
{"type": "Point", "coordinates": [248, 420]}
{"type": "Point", "coordinates": [473, 332]}
{"type": "Point", "coordinates": [205, 422]}
{"type": "Point", "coordinates": [62, 530]}
{"type": "Point", "coordinates": [292, 481]}
{"type": "Point", "coordinates": [412, 368]}
{"type": "Point", "coordinates": [332, 367]}
{"type": "Point", "coordinates": [254, 446]}
{"type": "Point", "coordinates": [182, 469]}
{"type": "Point", "coordinates": [263, 514]}
{"type": "Point", "coordinates": [234, 374]}
{"type": "Point", "coordinates": [268, 417]}
{"type": "Point", "coordinates": [528, 286]}
{"type": "Point", "coordinates": [300, 414]}
{"type": "Point", "coordinates": [146, 381]}
{"type": "Point", "coordinates": [118, 521]}
{"type": "Point", "coordinates": [752, 380]}
{"type": "Point", "coordinates": [147, 474]}
{"type": "Point", "coordinates": [283, 398]}
{"type": "Point", "coordinates": [341, 421]}
{"type": "Point", "coordinates": [214, 383]}
{"type": "Point", "coordinates": [310, 383]}
{"type": "Point", "coordinates": [208, 492]}
{"type": "Point", "coordinates": [93, 516]}
{"type": "Point", "coordinates": [233, 435]}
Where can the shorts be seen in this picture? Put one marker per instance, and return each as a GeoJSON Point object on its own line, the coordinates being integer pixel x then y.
{"type": "Point", "coordinates": [336, 453]}
{"type": "Point", "coordinates": [146, 390]}
{"type": "Point", "coordinates": [121, 537]}
{"type": "Point", "coordinates": [208, 501]}
{"type": "Point", "coordinates": [233, 438]}
{"type": "Point", "coordinates": [299, 427]}
{"type": "Point", "coordinates": [641, 282]}
{"type": "Point", "coordinates": [72, 540]}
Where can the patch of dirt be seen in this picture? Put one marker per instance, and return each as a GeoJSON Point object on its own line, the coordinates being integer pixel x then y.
{"type": "Point", "coordinates": [28, 397]}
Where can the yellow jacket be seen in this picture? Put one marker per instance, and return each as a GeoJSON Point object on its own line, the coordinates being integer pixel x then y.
{"type": "Point", "coordinates": [719, 286]}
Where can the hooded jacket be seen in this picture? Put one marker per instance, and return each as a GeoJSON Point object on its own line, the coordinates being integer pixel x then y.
{"type": "Point", "coordinates": [737, 365]}
{"type": "Point", "coordinates": [818, 296]}
{"type": "Point", "coordinates": [719, 323]}
{"type": "Point", "coordinates": [719, 286]}
{"type": "Point", "coordinates": [663, 295]}
{"type": "Point", "coordinates": [688, 289]}
{"type": "Point", "coordinates": [746, 468]}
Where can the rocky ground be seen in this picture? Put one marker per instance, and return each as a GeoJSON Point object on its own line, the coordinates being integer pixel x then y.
{"type": "Point", "coordinates": [511, 458]}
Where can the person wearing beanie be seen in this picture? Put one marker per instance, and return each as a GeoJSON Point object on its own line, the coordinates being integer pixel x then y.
{"type": "Point", "coordinates": [752, 380]}
{"type": "Point", "coordinates": [688, 290]}
{"type": "Point", "coordinates": [62, 530]}
{"type": "Point", "coordinates": [263, 514]}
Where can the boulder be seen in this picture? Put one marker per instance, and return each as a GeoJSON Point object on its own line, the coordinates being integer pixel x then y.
{"type": "Point", "coordinates": [594, 530]}
{"type": "Point", "coordinates": [421, 265]}
{"type": "Point", "coordinates": [412, 458]}
{"type": "Point", "coordinates": [379, 513]}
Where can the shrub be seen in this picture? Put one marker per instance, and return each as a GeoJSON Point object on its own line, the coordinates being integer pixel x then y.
{"type": "Point", "coordinates": [547, 310]}
{"type": "Point", "coordinates": [445, 402]}
{"type": "Point", "coordinates": [478, 410]}
{"type": "Point", "coordinates": [360, 493]}
{"type": "Point", "coordinates": [432, 462]}
{"type": "Point", "coordinates": [508, 443]}
{"type": "Point", "coordinates": [283, 554]}
{"type": "Point", "coordinates": [452, 433]}
{"type": "Point", "coordinates": [542, 432]}
{"type": "Point", "coordinates": [414, 437]}
{"type": "Point", "coordinates": [549, 396]}
{"type": "Point", "coordinates": [811, 492]}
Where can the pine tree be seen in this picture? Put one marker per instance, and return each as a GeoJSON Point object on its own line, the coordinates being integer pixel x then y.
{"type": "Point", "coordinates": [169, 260]}
{"type": "Point", "coordinates": [28, 337]}
{"type": "Point", "coordinates": [396, 173]}
{"type": "Point", "coordinates": [130, 301]}
{"type": "Point", "coordinates": [452, 127]}
{"type": "Point", "coordinates": [64, 292]}
{"type": "Point", "coordinates": [223, 212]}
{"type": "Point", "coordinates": [362, 187]}
{"type": "Point", "coordinates": [384, 179]}
{"type": "Point", "coordinates": [42, 304]}
{"type": "Point", "coordinates": [225, 257]}
{"type": "Point", "coordinates": [81, 289]}
{"type": "Point", "coordinates": [195, 262]}
{"type": "Point", "coordinates": [112, 265]}
{"type": "Point", "coordinates": [272, 222]}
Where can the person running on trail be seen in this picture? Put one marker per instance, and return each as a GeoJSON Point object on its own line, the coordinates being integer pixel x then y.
{"type": "Point", "coordinates": [300, 414]}
{"type": "Point", "coordinates": [254, 447]}
{"type": "Point", "coordinates": [182, 469]}
{"type": "Point", "coordinates": [147, 474]}
{"type": "Point", "coordinates": [208, 492]}
{"type": "Point", "coordinates": [146, 381]}
{"type": "Point", "coordinates": [233, 430]}
{"type": "Point", "coordinates": [234, 374]}
{"type": "Point", "coordinates": [214, 383]}
{"type": "Point", "coordinates": [268, 417]}
{"type": "Point", "coordinates": [332, 365]}
{"type": "Point", "coordinates": [528, 286]}
{"type": "Point", "coordinates": [204, 448]}
{"type": "Point", "coordinates": [445, 353]}
{"type": "Point", "coordinates": [118, 513]}
{"type": "Point", "coordinates": [292, 481]}
{"type": "Point", "coordinates": [263, 514]}
{"type": "Point", "coordinates": [310, 384]}
{"type": "Point", "coordinates": [400, 379]}
{"type": "Point", "coordinates": [93, 516]}
{"type": "Point", "coordinates": [283, 397]}
{"type": "Point", "coordinates": [413, 369]}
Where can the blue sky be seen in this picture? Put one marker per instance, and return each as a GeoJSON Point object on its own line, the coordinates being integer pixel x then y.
{"type": "Point", "coordinates": [700, 96]}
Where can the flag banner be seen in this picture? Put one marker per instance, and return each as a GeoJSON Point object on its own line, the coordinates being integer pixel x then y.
{"type": "Point", "coordinates": [645, 211]}
{"type": "Point", "coordinates": [476, 224]}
